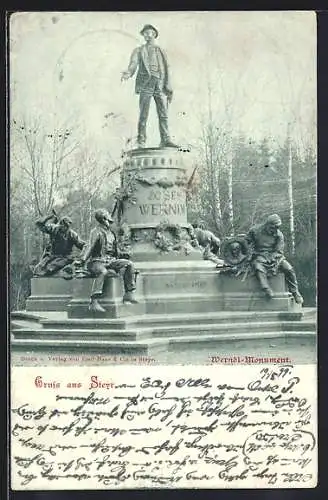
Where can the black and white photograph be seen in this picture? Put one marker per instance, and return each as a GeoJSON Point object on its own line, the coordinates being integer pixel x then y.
{"type": "Point", "coordinates": [163, 202]}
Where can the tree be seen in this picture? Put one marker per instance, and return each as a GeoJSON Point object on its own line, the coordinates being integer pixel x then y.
{"type": "Point", "coordinates": [43, 161]}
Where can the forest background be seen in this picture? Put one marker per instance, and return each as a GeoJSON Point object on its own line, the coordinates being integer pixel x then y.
{"type": "Point", "coordinates": [244, 102]}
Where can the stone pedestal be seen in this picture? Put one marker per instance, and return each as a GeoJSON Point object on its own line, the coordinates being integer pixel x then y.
{"type": "Point", "coordinates": [49, 294]}
{"type": "Point", "coordinates": [156, 210]}
{"type": "Point", "coordinates": [197, 287]}
{"type": "Point", "coordinates": [112, 300]}
{"type": "Point", "coordinates": [162, 288]}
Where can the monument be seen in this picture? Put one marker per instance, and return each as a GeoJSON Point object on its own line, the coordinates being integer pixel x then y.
{"type": "Point", "coordinates": [178, 295]}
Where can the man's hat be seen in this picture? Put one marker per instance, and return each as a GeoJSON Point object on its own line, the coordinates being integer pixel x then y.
{"type": "Point", "coordinates": [149, 27]}
{"type": "Point", "coordinates": [101, 212]}
{"type": "Point", "coordinates": [274, 219]}
{"type": "Point", "coordinates": [66, 220]}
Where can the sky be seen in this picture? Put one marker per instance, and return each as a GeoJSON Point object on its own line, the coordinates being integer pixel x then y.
{"type": "Point", "coordinates": [258, 67]}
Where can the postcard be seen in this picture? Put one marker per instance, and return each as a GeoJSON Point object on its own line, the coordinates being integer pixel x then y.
{"type": "Point", "coordinates": [163, 311]}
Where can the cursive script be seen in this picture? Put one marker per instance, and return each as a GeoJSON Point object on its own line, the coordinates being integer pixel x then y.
{"type": "Point", "coordinates": [214, 426]}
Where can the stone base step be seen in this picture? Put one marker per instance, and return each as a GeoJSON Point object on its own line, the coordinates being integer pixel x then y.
{"type": "Point", "coordinates": [153, 333]}
{"type": "Point", "coordinates": [51, 333]}
{"type": "Point", "coordinates": [178, 332]}
{"type": "Point", "coordinates": [190, 340]}
{"type": "Point", "coordinates": [25, 324]}
{"type": "Point", "coordinates": [26, 315]}
{"type": "Point", "coordinates": [235, 328]}
{"type": "Point", "coordinates": [82, 346]}
{"type": "Point", "coordinates": [146, 346]}
{"type": "Point", "coordinates": [61, 321]}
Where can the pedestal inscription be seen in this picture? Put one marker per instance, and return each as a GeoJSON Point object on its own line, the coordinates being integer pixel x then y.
{"type": "Point", "coordinates": [158, 205]}
{"type": "Point", "coordinates": [154, 182]}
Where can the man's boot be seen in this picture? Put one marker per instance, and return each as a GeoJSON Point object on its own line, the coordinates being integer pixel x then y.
{"type": "Point", "coordinates": [67, 273]}
{"type": "Point", "coordinates": [130, 297]}
{"type": "Point", "coordinates": [268, 293]}
{"type": "Point", "coordinates": [168, 144]}
{"type": "Point", "coordinates": [293, 285]}
{"type": "Point", "coordinates": [94, 306]}
{"type": "Point", "coordinates": [263, 280]}
{"type": "Point", "coordinates": [298, 297]}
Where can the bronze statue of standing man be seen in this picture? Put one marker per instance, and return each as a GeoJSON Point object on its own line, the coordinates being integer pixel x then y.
{"type": "Point", "coordinates": [152, 80]}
